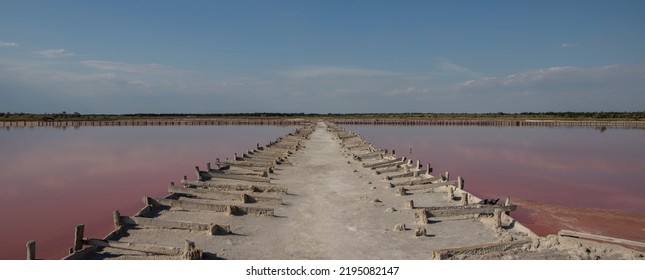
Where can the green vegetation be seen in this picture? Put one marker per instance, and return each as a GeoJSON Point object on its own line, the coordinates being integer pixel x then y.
{"type": "Point", "coordinates": [64, 116]}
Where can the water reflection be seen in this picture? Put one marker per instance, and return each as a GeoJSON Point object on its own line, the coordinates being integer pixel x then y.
{"type": "Point", "coordinates": [573, 167]}
{"type": "Point", "coordinates": [53, 179]}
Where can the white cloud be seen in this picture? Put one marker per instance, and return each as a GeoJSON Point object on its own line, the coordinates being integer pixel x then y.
{"type": "Point", "coordinates": [8, 44]}
{"type": "Point", "coordinates": [154, 69]}
{"type": "Point", "coordinates": [569, 45]}
{"type": "Point", "coordinates": [448, 66]}
{"type": "Point", "coordinates": [334, 71]}
{"type": "Point", "coordinates": [562, 88]}
{"type": "Point", "coordinates": [53, 53]}
{"type": "Point", "coordinates": [408, 91]}
{"type": "Point", "coordinates": [534, 76]}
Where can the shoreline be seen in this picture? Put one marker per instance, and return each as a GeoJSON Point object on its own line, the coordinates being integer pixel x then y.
{"type": "Point", "coordinates": [597, 124]}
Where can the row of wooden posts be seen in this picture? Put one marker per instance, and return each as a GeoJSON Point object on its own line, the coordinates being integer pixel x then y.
{"type": "Point", "coordinates": [289, 122]}
{"type": "Point", "coordinates": [466, 122]}
{"type": "Point", "coordinates": [154, 122]}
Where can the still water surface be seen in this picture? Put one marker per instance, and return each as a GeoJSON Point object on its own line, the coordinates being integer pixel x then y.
{"type": "Point", "coordinates": [52, 179]}
{"type": "Point", "coordinates": [562, 178]}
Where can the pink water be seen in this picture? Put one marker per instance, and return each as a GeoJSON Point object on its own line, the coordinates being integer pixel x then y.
{"type": "Point", "coordinates": [574, 178]}
{"type": "Point", "coordinates": [52, 179]}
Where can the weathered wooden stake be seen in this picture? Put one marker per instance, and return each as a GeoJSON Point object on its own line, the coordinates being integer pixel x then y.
{"type": "Point", "coordinates": [208, 166]}
{"type": "Point", "coordinates": [460, 182]}
{"type": "Point", "coordinates": [451, 193]}
{"type": "Point", "coordinates": [409, 204]}
{"type": "Point", "coordinates": [418, 166]}
{"type": "Point", "coordinates": [401, 191]}
{"type": "Point", "coordinates": [422, 217]}
{"type": "Point", "coordinates": [420, 232]}
{"type": "Point", "coordinates": [31, 250]}
{"type": "Point", "coordinates": [199, 176]}
{"type": "Point", "coordinates": [78, 237]}
{"type": "Point", "coordinates": [428, 169]}
{"type": "Point", "coordinates": [116, 216]}
{"type": "Point", "coordinates": [497, 215]}
{"type": "Point", "coordinates": [507, 203]}
{"type": "Point", "coordinates": [464, 199]}
{"type": "Point", "coordinates": [245, 198]}
{"type": "Point", "coordinates": [447, 176]}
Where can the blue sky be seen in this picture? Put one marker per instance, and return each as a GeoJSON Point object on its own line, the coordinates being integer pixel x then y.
{"type": "Point", "coordinates": [321, 56]}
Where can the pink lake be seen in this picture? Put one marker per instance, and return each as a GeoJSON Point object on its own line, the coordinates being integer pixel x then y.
{"type": "Point", "coordinates": [53, 179]}
{"type": "Point", "coordinates": [562, 178]}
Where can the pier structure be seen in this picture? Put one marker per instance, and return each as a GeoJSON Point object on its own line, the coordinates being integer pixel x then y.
{"type": "Point", "coordinates": [322, 192]}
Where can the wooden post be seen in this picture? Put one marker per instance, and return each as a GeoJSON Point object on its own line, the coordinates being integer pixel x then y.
{"type": "Point", "coordinates": [428, 169]}
{"type": "Point", "coordinates": [451, 193]}
{"type": "Point", "coordinates": [189, 245]}
{"type": "Point", "coordinates": [447, 176]}
{"type": "Point", "coordinates": [245, 198]}
{"type": "Point", "coordinates": [418, 166]}
{"type": "Point", "coordinates": [460, 182]}
{"type": "Point", "coordinates": [498, 218]}
{"type": "Point", "coordinates": [409, 204]}
{"type": "Point", "coordinates": [507, 203]}
{"type": "Point", "coordinates": [78, 237]}
{"type": "Point", "coordinates": [208, 166]}
{"type": "Point", "coordinates": [116, 216]}
{"type": "Point", "coordinates": [199, 176]}
{"type": "Point", "coordinates": [31, 250]}
{"type": "Point", "coordinates": [464, 198]}
{"type": "Point", "coordinates": [401, 191]}
{"type": "Point", "coordinates": [422, 217]}
{"type": "Point", "coordinates": [190, 252]}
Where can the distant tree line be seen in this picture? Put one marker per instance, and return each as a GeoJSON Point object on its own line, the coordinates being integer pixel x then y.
{"type": "Point", "coordinates": [64, 116]}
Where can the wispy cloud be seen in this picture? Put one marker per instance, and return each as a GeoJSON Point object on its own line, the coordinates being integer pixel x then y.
{"type": "Point", "coordinates": [334, 71]}
{"type": "Point", "coordinates": [408, 91]}
{"type": "Point", "coordinates": [153, 69]}
{"type": "Point", "coordinates": [569, 45]}
{"type": "Point", "coordinates": [523, 78]}
{"type": "Point", "coordinates": [448, 66]}
{"type": "Point", "coordinates": [53, 53]}
{"type": "Point", "coordinates": [8, 44]}
{"type": "Point", "coordinates": [561, 88]}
